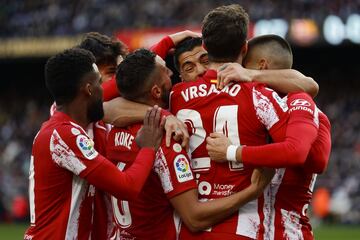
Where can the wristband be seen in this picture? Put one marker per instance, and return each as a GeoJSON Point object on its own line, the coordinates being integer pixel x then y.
{"type": "Point", "coordinates": [231, 153]}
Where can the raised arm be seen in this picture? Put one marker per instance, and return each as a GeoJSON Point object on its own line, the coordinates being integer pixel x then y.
{"type": "Point", "coordinates": [282, 80]}
{"type": "Point", "coordinates": [163, 47]}
{"type": "Point", "coordinates": [201, 215]}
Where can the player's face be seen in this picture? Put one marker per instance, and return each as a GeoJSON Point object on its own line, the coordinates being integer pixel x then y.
{"type": "Point", "coordinates": [107, 71]}
{"type": "Point", "coordinates": [95, 111]}
{"type": "Point", "coordinates": [193, 64]}
{"type": "Point", "coordinates": [164, 81]}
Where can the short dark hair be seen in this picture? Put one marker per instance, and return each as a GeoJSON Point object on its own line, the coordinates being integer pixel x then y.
{"type": "Point", "coordinates": [186, 45]}
{"type": "Point", "coordinates": [224, 32]}
{"type": "Point", "coordinates": [105, 49]}
{"type": "Point", "coordinates": [274, 47]}
{"type": "Point", "coordinates": [64, 72]}
{"type": "Point", "coordinates": [134, 72]}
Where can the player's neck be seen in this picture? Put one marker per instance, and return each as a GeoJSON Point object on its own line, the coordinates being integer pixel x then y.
{"type": "Point", "coordinates": [78, 114]}
{"type": "Point", "coordinates": [215, 65]}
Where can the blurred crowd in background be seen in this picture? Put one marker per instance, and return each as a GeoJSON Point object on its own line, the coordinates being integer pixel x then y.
{"type": "Point", "coordinates": [19, 122]}
{"type": "Point", "coordinates": [67, 17]}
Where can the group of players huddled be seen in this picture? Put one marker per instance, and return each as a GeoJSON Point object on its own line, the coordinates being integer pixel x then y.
{"type": "Point", "coordinates": [231, 152]}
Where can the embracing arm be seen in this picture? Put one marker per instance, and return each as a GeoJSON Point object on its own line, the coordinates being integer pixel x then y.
{"type": "Point", "coordinates": [282, 80]}
{"type": "Point", "coordinates": [199, 215]}
{"type": "Point", "coordinates": [121, 112]}
{"type": "Point", "coordinates": [123, 185]}
{"type": "Point", "coordinates": [286, 81]}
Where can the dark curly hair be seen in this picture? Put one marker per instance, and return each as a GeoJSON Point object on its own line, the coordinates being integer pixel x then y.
{"type": "Point", "coordinates": [64, 72]}
{"type": "Point", "coordinates": [105, 49]}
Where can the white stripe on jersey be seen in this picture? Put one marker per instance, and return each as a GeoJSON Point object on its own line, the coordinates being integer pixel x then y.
{"type": "Point", "coordinates": [162, 170]}
{"type": "Point", "coordinates": [63, 156]}
{"type": "Point", "coordinates": [78, 192]}
{"type": "Point", "coordinates": [177, 224]}
{"type": "Point", "coordinates": [265, 110]}
{"type": "Point", "coordinates": [292, 225]}
{"type": "Point", "coordinates": [269, 202]}
{"type": "Point", "coordinates": [248, 220]}
{"type": "Point", "coordinates": [31, 191]}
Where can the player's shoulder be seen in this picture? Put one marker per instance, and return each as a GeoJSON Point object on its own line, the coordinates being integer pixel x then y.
{"type": "Point", "coordinates": [300, 99]}
{"type": "Point", "coordinates": [184, 85]}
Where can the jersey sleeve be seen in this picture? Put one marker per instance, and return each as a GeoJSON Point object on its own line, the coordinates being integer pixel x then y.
{"type": "Point", "coordinates": [320, 150]}
{"type": "Point", "coordinates": [110, 90]}
{"type": "Point", "coordinates": [72, 149]}
{"type": "Point", "coordinates": [270, 108]}
{"type": "Point", "coordinates": [162, 48]}
{"type": "Point", "coordinates": [301, 131]}
{"type": "Point", "coordinates": [173, 168]}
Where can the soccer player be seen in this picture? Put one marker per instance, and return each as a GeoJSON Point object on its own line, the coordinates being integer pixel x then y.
{"type": "Point", "coordinates": [64, 161]}
{"type": "Point", "coordinates": [172, 183]}
{"type": "Point", "coordinates": [244, 112]}
{"type": "Point", "coordinates": [301, 151]}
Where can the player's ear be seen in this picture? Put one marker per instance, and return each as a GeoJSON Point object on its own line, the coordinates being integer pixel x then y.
{"type": "Point", "coordinates": [86, 89]}
{"type": "Point", "coordinates": [156, 92]}
{"type": "Point", "coordinates": [244, 49]}
{"type": "Point", "coordinates": [263, 64]}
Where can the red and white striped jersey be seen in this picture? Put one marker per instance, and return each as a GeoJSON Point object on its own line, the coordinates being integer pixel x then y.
{"type": "Point", "coordinates": [151, 215]}
{"type": "Point", "coordinates": [244, 112]}
{"type": "Point", "coordinates": [61, 201]}
{"type": "Point", "coordinates": [290, 192]}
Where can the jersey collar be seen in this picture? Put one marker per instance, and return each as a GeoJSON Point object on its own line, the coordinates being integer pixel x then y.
{"type": "Point", "coordinates": [210, 76]}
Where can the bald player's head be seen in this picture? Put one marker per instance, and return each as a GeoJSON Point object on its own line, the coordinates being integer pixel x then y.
{"type": "Point", "coordinates": [268, 52]}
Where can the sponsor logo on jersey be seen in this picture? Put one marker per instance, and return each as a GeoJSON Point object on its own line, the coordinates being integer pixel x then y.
{"type": "Point", "coordinates": [182, 169]}
{"type": "Point", "coordinates": [86, 146]}
{"type": "Point", "coordinates": [300, 102]}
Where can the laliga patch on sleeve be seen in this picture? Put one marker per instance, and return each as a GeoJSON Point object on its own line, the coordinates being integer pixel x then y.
{"type": "Point", "coordinates": [86, 146]}
{"type": "Point", "coordinates": [182, 169]}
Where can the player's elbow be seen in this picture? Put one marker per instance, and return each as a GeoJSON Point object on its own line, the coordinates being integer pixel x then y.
{"type": "Point", "coordinates": [312, 88]}
{"type": "Point", "coordinates": [195, 225]}
{"type": "Point", "coordinates": [297, 154]}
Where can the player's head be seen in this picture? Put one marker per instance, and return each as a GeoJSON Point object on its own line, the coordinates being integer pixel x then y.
{"type": "Point", "coordinates": [72, 76]}
{"type": "Point", "coordinates": [108, 52]}
{"type": "Point", "coordinates": [191, 59]}
{"type": "Point", "coordinates": [143, 77]}
{"type": "Point", "coordinates": [268, 52]}
{"type": "Point", "coordinates": [224, 32]}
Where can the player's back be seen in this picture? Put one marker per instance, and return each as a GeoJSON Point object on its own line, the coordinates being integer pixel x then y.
{"type": "Point", "coordinates": [151, 215]}
{"type": "Point", "coordinates": [244, 114]}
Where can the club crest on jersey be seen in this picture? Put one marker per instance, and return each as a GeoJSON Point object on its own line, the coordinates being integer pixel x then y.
{"type": "Point", "coordinates": [86, 146]}
{"type": "Point", "coordinates": [182, 169]}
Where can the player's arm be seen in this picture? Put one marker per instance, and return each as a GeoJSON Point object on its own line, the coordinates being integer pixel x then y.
{"type": "Point", "coordinates": [320, 151]}
{"type": "Point", "coordinates": [199, 215]}
{"type": "Point", "coordinates": [163, 47]}
{"type": "Point", "coordinates": [121, 112]}
{"type": "Point", "coordinates": [282, 80]}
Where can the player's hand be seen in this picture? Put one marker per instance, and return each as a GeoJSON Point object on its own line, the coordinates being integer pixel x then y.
{"type": "Point", "coordinates": [260, 178]}
{"type": "Point", "coordinates": [151, 133]}
{"type": "Point", "coordinates": [217, 145]}
{"type": "Point", "coordinates": [176, 129]}
{"type": "Point", "coordinates": [179, 36]}
{"type": "Point", "coordinates": [233, 72]}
